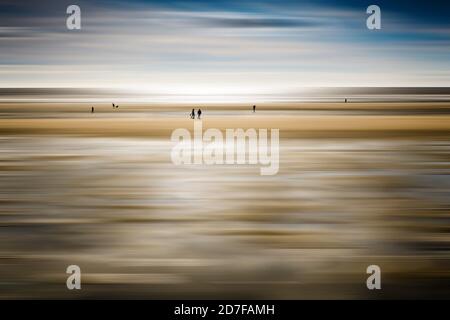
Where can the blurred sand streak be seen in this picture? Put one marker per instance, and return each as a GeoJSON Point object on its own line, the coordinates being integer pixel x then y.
{"type": "Point", "coordinates": [359, 184]}
{"type": "Point", "coordinates": [135, 127]}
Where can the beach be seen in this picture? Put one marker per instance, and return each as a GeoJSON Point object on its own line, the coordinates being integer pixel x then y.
{"type": "Point", "coordinates": [359, 184]}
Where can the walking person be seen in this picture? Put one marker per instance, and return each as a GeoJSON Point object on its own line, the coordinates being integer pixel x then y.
{"type": "Point", "coordinates": [199, 113]}
{"type": "Point", "coordinates": [192, 114]}
{"type": "Point", "coordinates": [254, 109]}
{"type": "Point", "coordinates": [92, 109]}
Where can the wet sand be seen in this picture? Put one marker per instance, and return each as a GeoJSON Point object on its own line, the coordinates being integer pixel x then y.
{"type": "Point", "coordinates": [359, 184]}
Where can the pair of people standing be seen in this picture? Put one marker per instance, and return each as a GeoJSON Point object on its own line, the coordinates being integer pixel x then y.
{"type": "Point", "coordinates": [199, 114]}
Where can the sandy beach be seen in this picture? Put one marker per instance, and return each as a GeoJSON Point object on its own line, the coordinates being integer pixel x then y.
{"type": "Point", "coordinates": [293, 120]}
{"type": "Point", "coordinates": [359, 184]}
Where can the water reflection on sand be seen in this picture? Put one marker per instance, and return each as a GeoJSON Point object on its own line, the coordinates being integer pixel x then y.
{"type": "Point", "coordinates": [138, 226]}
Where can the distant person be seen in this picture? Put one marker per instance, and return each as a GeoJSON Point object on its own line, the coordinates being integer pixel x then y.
{"type": "Point", "coordinates": [114, 106]}
{"type": "Point", "coordinates": [254, 109]}
{"type": "Point", "coordinates": [345, 100]}
{"type": "Point", "coordinates": [193, 114]}
{"type": "Point", "coordinates": [199, 113]}
{"type": "Point", "coordinates": [92, 109]}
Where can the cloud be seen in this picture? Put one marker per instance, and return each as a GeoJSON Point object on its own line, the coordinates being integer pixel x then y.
{"type": "Point", "coordinates": [250, 22]}
{"type": "Point", "coordinates": [145, 44]}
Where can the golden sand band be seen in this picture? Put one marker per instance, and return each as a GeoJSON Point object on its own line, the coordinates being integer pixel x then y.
{"type": "Point", "coordinates": [290, 126]}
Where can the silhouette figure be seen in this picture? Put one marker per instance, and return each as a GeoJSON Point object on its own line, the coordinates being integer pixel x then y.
{"type": "Point", "coordinates": [254, 109]}
{"type": "Point", "coordinates": [192, 114]}
{"type": "Point", "coordinates": [114, 105]}
{"type": "Point", "coordinates": [345, 100]}
{"type": "Point", "coordinates": [199, 113]}
{"type": "Point", "coordinates": [92, 109]}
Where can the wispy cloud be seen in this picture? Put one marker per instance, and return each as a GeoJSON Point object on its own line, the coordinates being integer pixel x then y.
{"type": "Point", "coordinates": [265, 45]}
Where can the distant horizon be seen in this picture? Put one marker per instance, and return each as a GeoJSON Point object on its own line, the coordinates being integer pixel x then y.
{"type": "Point", "coordinates": [305, 94]}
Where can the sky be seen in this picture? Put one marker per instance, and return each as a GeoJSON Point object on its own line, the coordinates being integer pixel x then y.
{"type": "Point", "coordinates": [223, 47]}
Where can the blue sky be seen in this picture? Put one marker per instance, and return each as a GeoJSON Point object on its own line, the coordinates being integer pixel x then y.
{"type": "Point", "coordinates": [222, 47]}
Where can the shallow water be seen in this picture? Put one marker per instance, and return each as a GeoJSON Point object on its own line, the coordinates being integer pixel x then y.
{"type": "Point", "coordinates": [139, 226]}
